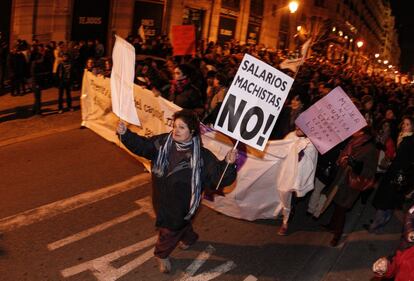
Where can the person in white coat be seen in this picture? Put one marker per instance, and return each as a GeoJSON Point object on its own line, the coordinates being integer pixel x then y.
{"type": "Point", "coordinates": [304, 178]}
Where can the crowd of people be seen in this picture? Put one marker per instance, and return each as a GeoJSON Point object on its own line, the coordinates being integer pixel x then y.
{"type": "Point", "coordinates": [378, 158]}
{"type": "Point", "coordinates": [32, 67]}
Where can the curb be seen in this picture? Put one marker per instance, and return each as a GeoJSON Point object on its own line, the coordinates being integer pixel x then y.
{"type": "Point", "coordinates": [15, 140]}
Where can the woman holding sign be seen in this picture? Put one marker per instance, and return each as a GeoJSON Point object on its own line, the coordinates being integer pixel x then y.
{"type": "Point", "coordinates": [181, 169]}
{"type": "Point", "coordinates": [357, 166]}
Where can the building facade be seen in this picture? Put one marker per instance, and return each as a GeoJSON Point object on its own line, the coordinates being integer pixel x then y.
{"type": "Point", "coordinates": [336, 25]}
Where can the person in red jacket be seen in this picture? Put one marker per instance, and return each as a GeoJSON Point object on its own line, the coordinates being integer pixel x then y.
{"type": "Point", "coordinates": [401, 266]}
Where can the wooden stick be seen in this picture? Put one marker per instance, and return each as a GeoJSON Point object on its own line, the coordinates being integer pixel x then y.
{"type": "Point", "coordinates": [225, 169]}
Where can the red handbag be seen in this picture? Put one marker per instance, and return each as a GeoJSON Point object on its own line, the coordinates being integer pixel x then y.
{"type": "Point", "coordinates": [358, 182]}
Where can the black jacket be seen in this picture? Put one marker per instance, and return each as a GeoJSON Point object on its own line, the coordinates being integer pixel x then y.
{"type": "Point", "coordinates": [171, 193]}
{"type": "Point", "coordinates": [389, 195]}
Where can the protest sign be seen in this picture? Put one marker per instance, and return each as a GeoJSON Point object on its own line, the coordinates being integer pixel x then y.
{"type": "Point", "coordinates": [260, 176]}
{"type": "Point", "coordinates": [183, 40]}
{"type": "Point", "coordinates": [253, 102]}
{"type": "Point", "coordinates": [331, 120]}
{"type": "Point", "coordinates": [122, 81]}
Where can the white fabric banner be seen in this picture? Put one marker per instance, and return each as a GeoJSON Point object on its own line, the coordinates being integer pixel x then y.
{"type": "Point", "coordinates": [122, 81]}
{"type": "Point", "coordinates": [254, 195]}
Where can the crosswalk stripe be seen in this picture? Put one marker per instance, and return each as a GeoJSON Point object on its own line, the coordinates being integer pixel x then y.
{"type": "Point", "coordinates": [53, 209]}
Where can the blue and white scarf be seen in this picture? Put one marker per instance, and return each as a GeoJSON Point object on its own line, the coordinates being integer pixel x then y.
{"type": "Point", "coordinates": [161, 164]}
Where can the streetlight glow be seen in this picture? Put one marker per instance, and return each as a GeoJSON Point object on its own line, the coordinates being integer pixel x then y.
{"type": "Point", "coordinates": [293, 6]}
{"type": "Point", "coordinates": [376, 55]}
{"type": "Point", "coordinates": [360, 43]}
{"type": "Point", "coordinates": [299, 28]}
{"type": "Point", "coordinates": [385, 61]}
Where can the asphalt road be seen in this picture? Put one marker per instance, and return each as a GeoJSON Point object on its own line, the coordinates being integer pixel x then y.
{"type": "Point", "coordinates": [76, 207]}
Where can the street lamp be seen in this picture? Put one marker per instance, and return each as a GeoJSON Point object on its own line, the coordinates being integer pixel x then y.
{"type": "Point", "coordinates": [376, 55]}
{"type": "Point", "coordinates": [292, 29]}
{"type": "Point", "coordinates": [359, 44]}
{"type": "Point", "coordinates": [293, 6]}
{"type": "Point", "coordinates": [385, 62]}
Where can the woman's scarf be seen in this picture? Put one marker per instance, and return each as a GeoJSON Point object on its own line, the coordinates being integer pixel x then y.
{"type": "Point", "coordinates": [161, 164]}
{"type": "Point", "coordinates": [178, 86]}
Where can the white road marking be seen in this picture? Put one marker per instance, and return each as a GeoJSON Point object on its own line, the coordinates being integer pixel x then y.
{"type": "Point", "coordinates": [102, 269]}
{"type": "Point", "coordinates": [198, 262]}
{"type": "Point", "coordinates": [188, 275]}
{"type": "Point", "coordinates": [50, 210]}
{"type": "Point", "coordinates": [145, 207]}
{"type": "Point", "coordinates": [214, 273]}
{"type": "Point", "coordinates": [250, 278]}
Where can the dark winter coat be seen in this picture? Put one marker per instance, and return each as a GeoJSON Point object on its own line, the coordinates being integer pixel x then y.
{"type": "Point", "coordinates": [389, 195]}
{"type": "Point", "coordinates": [65, 73]}
{"type": "Point", "coordinates": [189, 97]}
{"type": "Point", "coordinates": [364, 153]}
{"type": "Point", "coordinates": [171, 193]}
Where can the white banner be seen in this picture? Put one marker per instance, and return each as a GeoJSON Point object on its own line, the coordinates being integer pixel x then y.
{"type": "Point", "coordinates": [254, 195]}
{"type": "Point", "coordinates": [253, 102]}
{"type": "Point", "coordinates": [122, 81]}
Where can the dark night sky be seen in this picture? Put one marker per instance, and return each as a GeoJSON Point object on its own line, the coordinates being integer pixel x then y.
{"type": "Point", "coordinates": [405, 25]}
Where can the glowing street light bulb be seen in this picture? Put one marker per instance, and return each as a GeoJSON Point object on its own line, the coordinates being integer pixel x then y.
{"type": "Point", "coordinates": [299, 28]}
{"type": "Point", "coordinates": [390, 66]}
{"type": "Point", "coordinates": [360, 43]}
{"type": "Point", "coordinates": [385, 61]}
{"type": "Point", "coordinates": [376, 55]}
{"type": "Point", "coordinates": [293, 6]}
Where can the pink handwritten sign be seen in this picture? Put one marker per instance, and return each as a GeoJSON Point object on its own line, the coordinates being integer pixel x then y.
{"type": "Point", "coordinates": [331, 120]}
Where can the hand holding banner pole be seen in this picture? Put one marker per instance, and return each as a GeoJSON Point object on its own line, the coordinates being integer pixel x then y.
{"type": "Point", "coordinates": [227, 165]}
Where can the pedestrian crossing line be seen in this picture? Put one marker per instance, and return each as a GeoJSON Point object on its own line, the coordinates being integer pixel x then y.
{"type": "Point", "coordinates": [144, 207]}
{"type": "Point", "coordinates": [250, 278]}
{"type": "Point", "coordinates": [102, 267]}
{"type": "Point", "coordinates": [188, 274]}
{"type": "Point", "coordinates": [63, 206]}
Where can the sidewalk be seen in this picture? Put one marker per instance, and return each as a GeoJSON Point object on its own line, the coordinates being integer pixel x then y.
{"type": "Point", "coordinates": [17, 123]}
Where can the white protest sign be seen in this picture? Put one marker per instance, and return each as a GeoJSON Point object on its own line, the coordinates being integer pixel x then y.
{"type": "Point", "coordinates": [253, 102]}
{"type": "Point", "coordinates": [331, 120]}
{"type": "Point", "coordinates": [122, 81]}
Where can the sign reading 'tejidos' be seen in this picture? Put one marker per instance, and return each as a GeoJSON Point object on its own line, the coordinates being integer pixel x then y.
{"type": "Point", "coordinates": [253, 102]}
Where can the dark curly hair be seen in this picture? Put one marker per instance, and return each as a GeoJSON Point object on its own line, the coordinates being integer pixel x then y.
{"type": "Point", "coordinates": [190, 118]}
